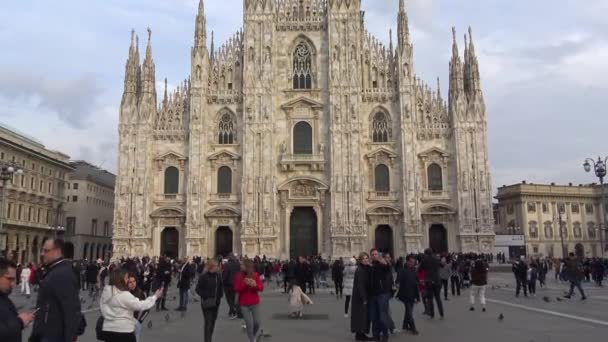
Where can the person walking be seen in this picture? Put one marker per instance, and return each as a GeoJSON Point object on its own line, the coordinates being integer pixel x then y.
{"type": "Point", "coordinates": [118, 307]}
{"type": "Point", "coordinates": [248, 285]}
{"type": "Point", "coordinates": [183, 284]}
{"type": "Point", "coordinates": [479, 281]}
{"type": "Point", "coordinates": [359, 320]}
{"type": "Point", "coordinates": [430, 264]}
{"type": "Point", "coordinates": [575, 275]}
{"type": "Point", "coordinates": [163, 279]}
{"type": "Point", "coordinates": [12, 323]}
{"type": "Point", "coordinates": [455, 277]}
{"type": "Point", "coordinates": [59, 318]}
{"type": "Point", "coordinates": [136, 291]}
{"type": "Point", "coordinates": [210, 288]}
{"type": "Point", "coordinates": [379, 295]}
{"type": "Point", "coordinates": [231, 268]}
{"type": "Point", "coordinates": [408, 293]}
{"type": "Point", "coordinates": [444, 276]}
{"type": "Point", "coordinates": [25, 281]}
{"type": "Point", "coordinates": [349, 278]}
{"type": "Point", "coordinates": [337, 274]}
{"type": "Point", "coordinates": [532, 278]}
{"type": "Point", "coordinates": [91, 275]}
{"type": "Point", "coordinates": [520, 270]}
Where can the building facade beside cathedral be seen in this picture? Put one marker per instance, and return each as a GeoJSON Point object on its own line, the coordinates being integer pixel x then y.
{"type": "Point", "coordinates": [302, 134]}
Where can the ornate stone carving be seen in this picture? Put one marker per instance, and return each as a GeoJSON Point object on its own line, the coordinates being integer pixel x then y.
{"type": "Point", "coordinates": [303, 189]}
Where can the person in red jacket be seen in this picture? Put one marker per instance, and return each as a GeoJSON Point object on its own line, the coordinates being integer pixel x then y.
{"type": "Point", "coordinates": [248, 285]}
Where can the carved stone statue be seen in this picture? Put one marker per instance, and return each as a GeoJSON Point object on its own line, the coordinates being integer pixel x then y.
{"type": "Point", "coordinates": [283, 148]}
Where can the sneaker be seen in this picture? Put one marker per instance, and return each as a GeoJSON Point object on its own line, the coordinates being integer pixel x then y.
{"type": "Point", "coordinates": [471, 309]}
{"type": "Point", "coordinates": [396, 331]}
{"type": "Point", "coordinates": [345, 315]}
{"type": "Point", "coordinates": [584, 297]}
{"type": "Point", "coordinates": [415, 332]}
{"type": "Point", "coordinates": [483, 309]}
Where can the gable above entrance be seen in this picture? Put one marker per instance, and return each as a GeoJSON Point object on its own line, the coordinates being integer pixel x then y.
{"type": "Point", "coordinates": [168, 213]}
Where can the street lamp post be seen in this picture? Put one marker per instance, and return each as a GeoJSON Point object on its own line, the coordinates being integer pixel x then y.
{"type": "Point", "coordinates": [599, 168]}
{"type": "Point", "coordinates": [561, 232]}
{"type": "Point", "coordinates": [7, 171]}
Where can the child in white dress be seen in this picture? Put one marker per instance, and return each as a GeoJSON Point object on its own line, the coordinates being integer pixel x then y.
{"type": "Point", "coordinates": [297, 300]}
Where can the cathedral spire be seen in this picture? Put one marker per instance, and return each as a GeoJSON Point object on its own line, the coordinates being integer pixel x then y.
{"type": "Point", "coordinates": [149, 83]}
{"type": "Point", "coordinates": [200, 32]}
{"type": "Point", "coordinates": [438, 89]}
{"type": "Point", "coordinates": [471, 66]}
{"type": "Point", "coordinates": [165, 98]}
{"type": "Point", "coordinates": [131, 67]}
{"type": "Point", "coordinates": [456, 81]}
{"type": "Point", "coordinates": [403, 30]}
{"type": "Point", "coordinates": [212, 46]}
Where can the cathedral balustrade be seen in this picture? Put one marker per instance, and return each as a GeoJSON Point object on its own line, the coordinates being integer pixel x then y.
{"type": "Point", "coordinates": [428, 195]}
{"type": "Point", "coordinates": [170, 199]}
{"type": "Point", "coordinates": [379, 95]}
{"type": "Point", "coordinates": [231, 198]}
{"type": "Point", "coordinates": [382, 196]}
{"type": "Point", "coordinates": [314, 161]}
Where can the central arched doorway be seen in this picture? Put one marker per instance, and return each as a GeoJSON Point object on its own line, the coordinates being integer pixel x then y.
{"type": "Point", "coordinates": [579, 250]}
{"type": "Point", "coordinates": [384, 239]}
{"type": "Point", "coordinates": [223, 241]}
{"type": "Point", "coordinates": [169, 242]}
{"type": "Point", "coordinates": [68, 253]}
{"type": "Point", "coordinates": [303, 240]}
{"type": "Point", "coordinates": [438, 238]}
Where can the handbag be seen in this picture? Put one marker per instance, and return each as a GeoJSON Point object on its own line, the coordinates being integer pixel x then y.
{"type": "Point", "coordinates": [211, 303]}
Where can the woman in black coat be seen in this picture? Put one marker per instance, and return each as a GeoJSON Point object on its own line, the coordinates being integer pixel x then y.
{"type": "Point", "coordinates": [408, 294]}
{"type": "Point", "coordinates": [359, 321]}
{"type": "Point", "coordinates": [210, 288]}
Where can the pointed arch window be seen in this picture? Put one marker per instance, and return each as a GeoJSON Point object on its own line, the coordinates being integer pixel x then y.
{"type": "Point", "coordinates": [302, 67]}
{"type": "Point", "coordinates": [224, 180]}
{"type": "Point", "coordinates": [302, 138]}
{"type": "Point", "coordinates": [382, 178]}
{"type": "Point", "coordinates": [171, 180]}
{"type": "Point", "coordinates": [381, 130]}
{"type": "Point", "coordinates": [226, 130]}
{"type": "Point", "coordinates": [435, 177]}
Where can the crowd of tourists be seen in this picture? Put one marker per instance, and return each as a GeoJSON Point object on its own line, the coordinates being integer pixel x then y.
{"type": "Point", "coordinates": [129, 288]}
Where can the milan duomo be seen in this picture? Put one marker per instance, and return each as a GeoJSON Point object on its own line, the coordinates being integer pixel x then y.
{"type": "Point", "coordinates": [302, 135]}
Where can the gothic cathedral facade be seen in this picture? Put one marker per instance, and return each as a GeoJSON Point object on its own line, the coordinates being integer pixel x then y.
{"type": "Point", "coordinates": [302, 134]}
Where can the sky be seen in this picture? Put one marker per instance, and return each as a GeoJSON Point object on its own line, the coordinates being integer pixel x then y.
{"type": "Point", "coordinates": [543, 68]}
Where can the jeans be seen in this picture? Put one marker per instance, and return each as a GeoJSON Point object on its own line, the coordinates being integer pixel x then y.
{"type": "Point", "coordinates": [408, 319]}
{"type": "Point", "coordinates": [52, 339]}
{"type": "Point", "coordinates": [433, 290]}
{"type": "Point", "coordinates": [161, 301]}
{"type": "Point", "coordinates": [521, 283]}
{"type": "Point", "coordinates": [339, 286]}
{"type": "Point", "coordinates": [379, 314]}
{"type": "Point", "coordinates": [532, 287]}
{"type": "Point", "coordinates": [346, 304]}
{"type": "Point", "coordinates": [114, 337]}
{"type": "Point", "coordinates": [455, 282]}
{"type": "Point", "coordinates": [444, 284]}
{"type": "Point", "coordinates": [577, 284]}
{"type": "Point", "coordinates": [25, 287]}
{"type": "Point", "coordinates": [478, 291]}
{"type": "Point", "coordinates": [251, 316]}
{"type": "Point", "coordinates": [230, 300]}
{"type": "Point", "coordinates": [183, 298]}
{"type": "Point", "coordinates": [210, 316]}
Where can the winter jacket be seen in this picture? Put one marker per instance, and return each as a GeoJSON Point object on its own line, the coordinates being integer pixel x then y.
{"type": "Point", "coordinates": [10, 324]}
{"type": "Point", "coordinates": [349, 278]}
{"type": "Point", "coordinates": [59, 315]}
{"type": "Point", "coordinates": [231, 268]}
{"type": "Point", "coordinates": [381, 279]}
{"type": "Point", "coordinates": [210, 286]}
{"type": "Point", "coordinates": [117, 308]}
{"type": "Point", "coordinates": [248, 296]}
{"type": "Point", "coordinates": [408, 285]}
{"type": "Point", "coordinates": [479, 273]}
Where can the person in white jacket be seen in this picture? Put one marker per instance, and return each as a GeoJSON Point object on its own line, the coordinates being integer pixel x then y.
{"type": "Point", "coordinates": [117, 305]}
{"type": "Point", "coordinates": [25, 281]}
